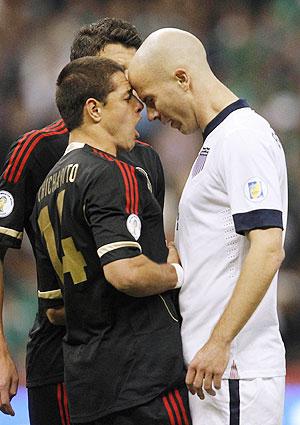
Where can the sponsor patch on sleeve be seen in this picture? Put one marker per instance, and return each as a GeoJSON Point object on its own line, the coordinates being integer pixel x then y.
{"type": "Point", "coordinates": [6, 203]}
{"type": "Point", "coordinates": [256, 189]}
{"type": "Point", "coordinates": [134, 226]}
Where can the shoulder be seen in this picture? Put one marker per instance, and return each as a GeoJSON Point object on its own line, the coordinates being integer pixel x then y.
{"type": "Point", "coordinates": [141, 152]}
{"type": "Point", "coordinates": [24, 152]}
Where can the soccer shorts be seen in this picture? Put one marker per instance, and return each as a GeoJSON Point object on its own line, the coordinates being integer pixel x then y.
{"type": "Point", "coordinates": [170, 408]}
{"type": "Point", "coordinates": [48, 405]}
{"type": "Point", "coordinates": [241, 402]}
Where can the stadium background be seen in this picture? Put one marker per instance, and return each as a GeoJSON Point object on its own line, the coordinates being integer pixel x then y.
{"type": "Point", "coordinates": [253, 46]}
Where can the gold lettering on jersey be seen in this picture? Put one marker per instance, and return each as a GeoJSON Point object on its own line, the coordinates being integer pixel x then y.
{"type": "Point", "coordinates": [48, 232]}
{"type": "Point", "coordinates": [53, 182]}
{"type": "Point", "coordinates": [72, 261]}
{"type": "Point", "coordinates": [60, 203]}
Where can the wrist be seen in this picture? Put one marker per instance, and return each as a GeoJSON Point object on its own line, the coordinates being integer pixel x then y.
{"type": "Point", "coordinates": [180, 274]}
{"type": "Point", "coordinates": [220, 339]}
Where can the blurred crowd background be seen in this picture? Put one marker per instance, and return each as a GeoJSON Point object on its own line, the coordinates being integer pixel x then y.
{"type": "Point", "coordinates": [253, 47]}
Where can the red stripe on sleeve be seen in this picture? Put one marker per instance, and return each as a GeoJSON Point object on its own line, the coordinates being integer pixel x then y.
{"type": "Point", "coordinates": [15, 151]}
{"type": "Point", "coordinates": [136, 190]}
{"type": "Point", "coordinates": [183, 411]}
{"type": "Point", "coordinates": [131, 185]}
{"type": "Point", "coordinates": [66, 405]}
{"type": "Point", "coordinates": [120, 165]}
{"type": "Point", "coordinates": [42, 134]}
{"type": "Point", "coordinates": [60, 405]}
{"type": "Point", "coordinates": [169, 410]}
{"type": "Point", "coordinates": [30, 135]}
{"type": "Point", "coordinates": [173, 402]}
{"type": "Point", "coordinates": [30, 149]}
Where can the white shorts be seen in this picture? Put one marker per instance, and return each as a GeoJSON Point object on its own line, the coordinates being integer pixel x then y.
{"type": "Point", "coordinates": [258, 401]}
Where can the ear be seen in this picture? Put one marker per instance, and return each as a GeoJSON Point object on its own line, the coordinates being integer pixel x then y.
{"type": "Point", "coordinates": [183, 79]}
{"type": "Point", "coordinates": [94, 109]}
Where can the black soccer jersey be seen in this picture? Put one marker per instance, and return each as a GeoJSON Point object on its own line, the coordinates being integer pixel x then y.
{"type": "Point", "coordinates": [29, 160]}
{"type": "Point", "coordinates": [119, 351]}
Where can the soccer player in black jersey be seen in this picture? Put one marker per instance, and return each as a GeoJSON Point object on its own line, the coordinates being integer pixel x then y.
{"type": "Point", "coordinates": [28, 162]}
{"type": "Point", "coordinates": [100, 246]}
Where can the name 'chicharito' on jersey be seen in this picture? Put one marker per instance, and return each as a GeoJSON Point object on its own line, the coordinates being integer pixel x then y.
{"type": "Point", "coordinates": [119, 351]}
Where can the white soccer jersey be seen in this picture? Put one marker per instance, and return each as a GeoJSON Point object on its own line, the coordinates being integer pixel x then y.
{"type": "Point", "coordinates": [237, 183]}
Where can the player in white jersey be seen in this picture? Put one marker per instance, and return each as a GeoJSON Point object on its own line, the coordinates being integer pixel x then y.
{"type": "Point", "coordinates": [229, 233]}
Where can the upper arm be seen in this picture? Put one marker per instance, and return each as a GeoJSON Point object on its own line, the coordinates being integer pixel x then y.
{"type": "Point", "coordinates": [13, 202]}
{"type": "Point", "coordinates": [255, 181]}
{"type": "Point", "coordinates": [160, 189]}
{"type": "Point", "coordinates": [113, 208]}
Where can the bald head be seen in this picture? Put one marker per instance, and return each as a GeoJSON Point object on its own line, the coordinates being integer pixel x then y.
{"type": "Point", "coordinates": [167, 49]}
{"type": "Point", "coordinates": [171, 75]}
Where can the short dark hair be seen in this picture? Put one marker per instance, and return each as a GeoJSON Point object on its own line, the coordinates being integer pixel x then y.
{"type": "Point", "coordinates": [81, 79]}
{"type": "Point", "coordinates": [92, 38]}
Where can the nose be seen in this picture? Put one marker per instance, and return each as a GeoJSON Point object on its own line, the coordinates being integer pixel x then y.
{"type": "Point", "coordinates": [152, 114]}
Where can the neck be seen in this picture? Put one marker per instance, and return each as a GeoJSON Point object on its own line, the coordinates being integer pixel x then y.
{"type": "Point", "coordinates": [211, 101]}
{"type": "Point", "coordinates": [95, 137]}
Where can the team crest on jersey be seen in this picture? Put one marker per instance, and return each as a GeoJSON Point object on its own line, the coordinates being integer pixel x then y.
{"type": "Point", "coordinates": [149, 185]}
{"type": "Point", "coordinates": [6, 203]}
{"type": "Point", "coordinates": [255, 189]}
{"type": "Point", "coordinates": [134, 226]}
{"type": "Point", "coordinates": [200, 161]}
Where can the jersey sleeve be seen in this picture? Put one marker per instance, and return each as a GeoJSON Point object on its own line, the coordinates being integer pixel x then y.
{"type": "Point", "coordinates": [112, 209]}
{"type": "Point", "coordinates": [160, 182]}
{"type": "Point", "coordinates": [13, 201]}
{"type": "Point", "coordinates": [251, 172]}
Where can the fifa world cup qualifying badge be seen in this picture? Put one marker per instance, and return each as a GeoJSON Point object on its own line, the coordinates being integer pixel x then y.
{"type": "Point", "coordinates": [134, 226]}
{"type": "Point", "coordinates": [6, 203]}
{"type": "Point", "coordinates": [256, 189]}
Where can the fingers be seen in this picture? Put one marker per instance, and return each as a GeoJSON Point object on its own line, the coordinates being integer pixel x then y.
{"type": "Point", "coordinates": [189, 379]}
{"type": "Point", "coordinates": [14, 386]}
{"type": "Point", "coordinates": [208, 384]}
{"type": "Point", "coordinates": [217, 381]}
{"type": "Point", "coordinates": [197, 381]}
{"type": "Point", "coordinates": [5, 406]}
{"type": "Point", "coordinates": [194, 382]}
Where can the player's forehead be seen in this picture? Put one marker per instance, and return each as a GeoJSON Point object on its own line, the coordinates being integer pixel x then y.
{"type": "Point", "coordinates": [119, 53]}
{"type": "Point", "coordinates": [121, 83]}
{"type": "Point", "coordinates": [142, 82]}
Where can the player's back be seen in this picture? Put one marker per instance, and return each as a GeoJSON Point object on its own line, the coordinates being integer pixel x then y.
{"type": "Point", "coordinates": [89, 210]}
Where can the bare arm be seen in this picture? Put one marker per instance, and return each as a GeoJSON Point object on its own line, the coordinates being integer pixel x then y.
{"type": "Point", "coordinates": [260, 265]}
{"type": "Point", "coordinates": [140, 277]}
{"type": "Point", "coordinates": [8, 373]}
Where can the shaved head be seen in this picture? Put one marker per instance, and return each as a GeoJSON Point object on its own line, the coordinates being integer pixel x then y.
{"type": "Point", "coordinates": [164, 72]}
{"type": "Point", "coordinates": [171, 75]}
{"type": "Point", "coordinates": [166, 50]}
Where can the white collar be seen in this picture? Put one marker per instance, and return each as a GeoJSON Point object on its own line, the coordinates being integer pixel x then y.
{"type": "Point", "coordinates": [74, 145]}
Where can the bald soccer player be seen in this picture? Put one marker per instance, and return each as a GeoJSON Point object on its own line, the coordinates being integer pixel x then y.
{"type": "Point", "coordinates": [229, 234]}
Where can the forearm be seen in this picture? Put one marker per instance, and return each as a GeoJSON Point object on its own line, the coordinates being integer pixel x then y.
{"type": "Point", "coordinates": [258, 270]}
{"type": "Point", "coordinates": [140, 277]}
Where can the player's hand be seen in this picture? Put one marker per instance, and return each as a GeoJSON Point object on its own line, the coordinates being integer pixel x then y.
{"type": "Point", "coordinates": [9, 381]}
{"type": "Point", "coordinates": [173, 256]}
{"type": "Point", "coordinates": [207, 367]}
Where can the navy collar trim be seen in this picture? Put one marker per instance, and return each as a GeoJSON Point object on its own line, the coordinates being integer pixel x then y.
{"type": "Point", "coordinates": [238, 104]}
